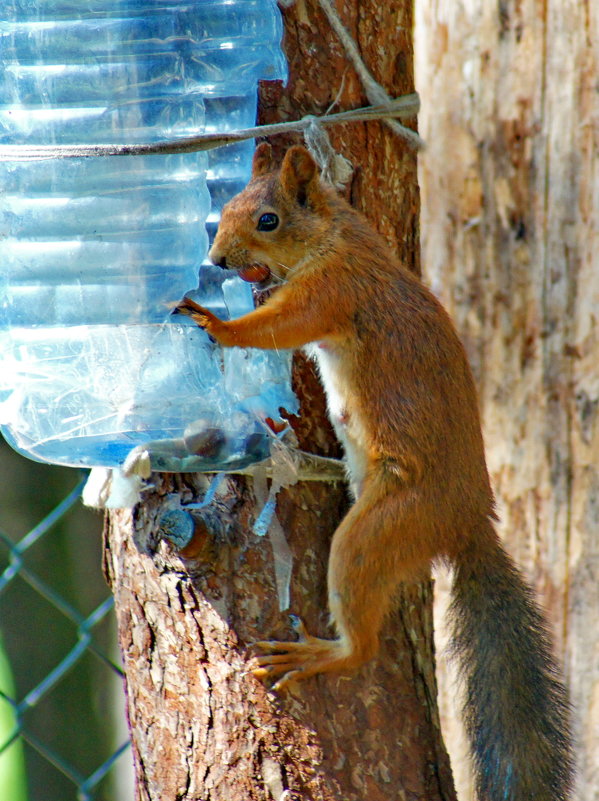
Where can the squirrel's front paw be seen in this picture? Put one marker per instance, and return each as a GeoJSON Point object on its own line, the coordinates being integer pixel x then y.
{"type": "Point", "coordinates": [217, 329]}
{"type": "Point", "coordinates": [198, 313]}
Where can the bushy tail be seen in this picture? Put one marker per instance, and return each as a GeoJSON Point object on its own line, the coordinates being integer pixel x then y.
{"type": "Point", "coordinates": [516, 708]}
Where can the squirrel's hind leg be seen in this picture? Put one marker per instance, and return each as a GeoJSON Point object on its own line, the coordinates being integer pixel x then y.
{"type": "Point", "coordinates": [376, 547]}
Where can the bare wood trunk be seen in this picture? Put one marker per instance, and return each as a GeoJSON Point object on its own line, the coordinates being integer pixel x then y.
{"type": "Point", "coordinates": [511, 244]}
{"type": "Point", "coordinates": [201, 727]}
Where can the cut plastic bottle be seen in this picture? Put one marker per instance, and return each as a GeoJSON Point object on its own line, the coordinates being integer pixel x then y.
{"type": "Point", "coordinates": [94, 252]}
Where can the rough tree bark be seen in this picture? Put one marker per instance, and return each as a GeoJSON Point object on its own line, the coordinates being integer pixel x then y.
{"type": "Point", "coordinates": [201, 727]}
{"type": "Point", "coordinates": [511, 243]}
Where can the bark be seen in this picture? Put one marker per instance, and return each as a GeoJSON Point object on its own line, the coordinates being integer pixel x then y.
{"type": "Point", "coordinates": [201, 727]}
{"type": "Point", "coordinates": [510, 243]}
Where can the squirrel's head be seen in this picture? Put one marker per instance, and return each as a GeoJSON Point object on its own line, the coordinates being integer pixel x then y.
{"type": "Point", "coordinates": [269, 228]}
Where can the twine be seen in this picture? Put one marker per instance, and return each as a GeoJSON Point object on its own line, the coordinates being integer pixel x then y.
{"type": "Point", "coordinates": [404, 106]}
{"type": "Point", "coordinates": [374, 91]}
{"type": "Point", "coordinates": [335, 169]}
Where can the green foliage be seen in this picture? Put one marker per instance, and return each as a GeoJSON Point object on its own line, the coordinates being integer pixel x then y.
{"type": "Point", "coordinates": [13, 784]}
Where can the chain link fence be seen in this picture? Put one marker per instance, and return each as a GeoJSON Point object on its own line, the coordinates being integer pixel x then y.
{"type": "Point", "coordinates": [62, 728]}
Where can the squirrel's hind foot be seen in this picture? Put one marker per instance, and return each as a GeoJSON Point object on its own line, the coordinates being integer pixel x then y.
{"type": "Point", "coordinates": [296, 661]}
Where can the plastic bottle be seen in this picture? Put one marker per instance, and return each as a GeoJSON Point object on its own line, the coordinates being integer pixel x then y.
{"type": "Point", "coordinates": [94, 251]}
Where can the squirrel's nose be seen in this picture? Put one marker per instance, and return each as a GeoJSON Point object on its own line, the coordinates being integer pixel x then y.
{"type": "Point", "coordinates": [218, 259]}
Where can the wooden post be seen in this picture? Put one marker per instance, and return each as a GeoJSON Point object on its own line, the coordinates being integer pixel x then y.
{"type": "Point", "coordinates": [511, 244]}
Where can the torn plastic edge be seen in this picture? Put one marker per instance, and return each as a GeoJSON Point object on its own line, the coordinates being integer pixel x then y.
{"type": "Point", "coordinates": [268, 523]}
{"type": "Point", "coordinates": [286, 466]}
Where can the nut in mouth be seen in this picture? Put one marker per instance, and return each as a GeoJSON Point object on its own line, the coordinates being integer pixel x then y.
{"type": "Point", "coordinates": [254, 273]}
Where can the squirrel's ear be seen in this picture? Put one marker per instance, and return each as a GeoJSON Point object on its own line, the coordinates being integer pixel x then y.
{"type": "Point", "coordinates": [299, 174]}
{"type": "Point", "coordinates": [262, 162]}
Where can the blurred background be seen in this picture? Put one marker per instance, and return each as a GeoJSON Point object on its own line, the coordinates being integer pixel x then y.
{"type": "Point", "coordinates": [59, 662]}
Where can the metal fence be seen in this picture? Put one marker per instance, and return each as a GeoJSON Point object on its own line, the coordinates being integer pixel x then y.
{"type": "Point", "coordinates": [62, 731]}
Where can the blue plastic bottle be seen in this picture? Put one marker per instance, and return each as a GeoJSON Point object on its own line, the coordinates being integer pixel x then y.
{"type": "Point", "coordinates": [94, 251]}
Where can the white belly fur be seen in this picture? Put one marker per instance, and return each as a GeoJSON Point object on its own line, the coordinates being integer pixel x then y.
{"type": "Point", "coordinates": [349, 430]}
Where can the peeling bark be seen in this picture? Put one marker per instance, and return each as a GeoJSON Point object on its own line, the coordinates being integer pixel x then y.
{"type": "Point", "coordinates": [202, 728]}
{"type": "Point", "coordinates": [511, 244]}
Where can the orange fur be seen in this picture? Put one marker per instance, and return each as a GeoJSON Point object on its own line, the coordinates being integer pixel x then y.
{"type": "Point", "coordinates": [402, 400]}
{"type": "Point", "coordinates": [406, 401]}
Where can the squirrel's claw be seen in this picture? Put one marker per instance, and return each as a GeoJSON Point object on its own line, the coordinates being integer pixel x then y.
{"type": "Point", "coordinates": [297, 625]}
{"type": "Point", "coordinates": [192, 309]}
{"type": "Point", "coordinates": [201, 316]}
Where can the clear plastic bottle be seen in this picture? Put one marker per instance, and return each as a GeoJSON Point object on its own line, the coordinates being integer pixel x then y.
{"type": "Point", "coordinates": [94, 251]}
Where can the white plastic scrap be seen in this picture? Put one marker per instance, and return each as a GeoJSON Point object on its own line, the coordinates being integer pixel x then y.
{"type": "Point", "coordinates": [285, 472]}
{"type": "Point", "coordinates": [108, 488]}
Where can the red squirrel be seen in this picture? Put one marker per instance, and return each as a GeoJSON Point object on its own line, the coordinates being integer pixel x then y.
{"type": "Point", "coordinates": [403, 403]}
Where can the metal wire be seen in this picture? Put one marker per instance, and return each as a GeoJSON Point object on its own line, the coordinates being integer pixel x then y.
{"type": "Point", "coordinates": [85, 787]}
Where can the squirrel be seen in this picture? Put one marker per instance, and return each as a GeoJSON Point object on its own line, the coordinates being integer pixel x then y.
{"type": "Point", "coordinates": [402, 400]}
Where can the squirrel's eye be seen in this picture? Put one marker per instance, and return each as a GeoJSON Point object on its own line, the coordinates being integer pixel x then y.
{"type": "Point", "coordinates": [268, 222]}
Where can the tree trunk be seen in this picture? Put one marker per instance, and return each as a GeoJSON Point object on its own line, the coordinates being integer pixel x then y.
{"type": "Point", "coordinates": [201, 727]}
{"type": "Point", "coordinates": [511, 244]}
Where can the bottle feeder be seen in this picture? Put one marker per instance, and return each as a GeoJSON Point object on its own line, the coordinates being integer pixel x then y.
{"type": "Point", "coordinates": [94, 252]}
